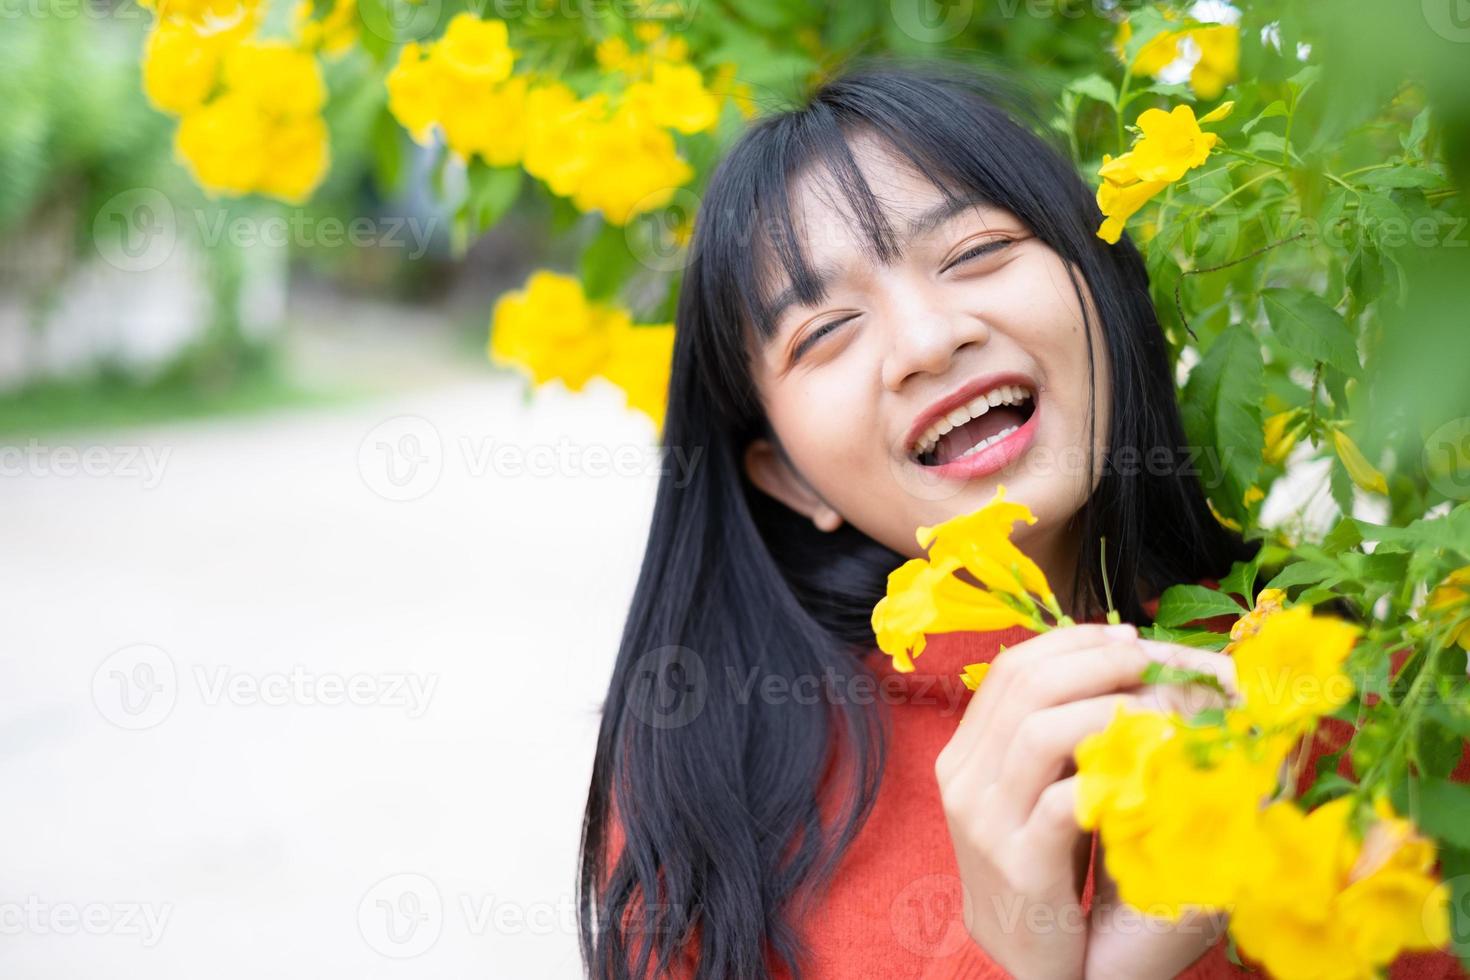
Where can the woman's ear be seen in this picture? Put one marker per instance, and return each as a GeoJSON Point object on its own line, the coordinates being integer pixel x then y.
{"type": "Point", "coordinates": [769, 469]}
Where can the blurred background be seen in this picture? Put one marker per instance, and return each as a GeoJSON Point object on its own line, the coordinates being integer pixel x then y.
{"type": "Point", "coordinates": [331, 370]}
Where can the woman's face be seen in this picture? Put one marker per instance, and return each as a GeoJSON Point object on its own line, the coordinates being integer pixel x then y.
{"type": "Point", "coordinates": [869, 392]}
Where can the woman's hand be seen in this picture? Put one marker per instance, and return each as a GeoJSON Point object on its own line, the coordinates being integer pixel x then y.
{"type": "Point", "coordinates": [1009, 794]}
{"type": "Point", "coordinates": [1122, 943]}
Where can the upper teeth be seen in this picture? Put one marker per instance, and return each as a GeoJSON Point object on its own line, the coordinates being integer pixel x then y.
{"type": "Point", "coordinates": [1003, 395]}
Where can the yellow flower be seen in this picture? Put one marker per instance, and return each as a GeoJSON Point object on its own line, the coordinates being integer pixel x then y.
{"type": "Point", "coordinates": [1281, 436]}
{"type": "Point", "coordinates": [489, 121]}
{"type": "Point", "coordinates": [414, 90]}
{"type": "Point", "coordinates": [263, 133]}
{"type": "Point", "coordinates": [224, 144]}
{"type": "Point", "coordinates": [639, 364]}
{"type": "Point", "coordinates": [1156, 855]}
{"type": "Point", "coordinates": [551, 331]}
{"type": "Point", "coordinates": [974, 675]}
{"type": "Point", "coordinates": [281, 79]}
{"type": "Point", "coordinates": [560, 135]}
{"type": "Point", "coordinates": [298, 155]}
{"type": "Point", "coordinates": [181, 66]}
{"type": "Point", "coordinates": [675, 96]}
{"type": "Point", "coordinates": [926, 598]}
{"type": "Point", "coordinates": [1121, 202]}
{"type": "Point", "coordinates": [1318, 902]}
{"type": "Point", "coordinates": [980, 542]}
{"type": "Point", "coordinates": [1169, 145]}
{"type": "Point", "coordinates": [612, 53]}
{"type": "Point", "coordinates": [1268, 603]}
{"type": "Point", "coordinates": [1289, 671]}
{"type": "Point", "coordinates": [1362, 472]}
{"type": "Point", "coordinates": [1111, 764]}
{"type": "Point", "coordinates": [1450, 602]}
{"type": "Point", "coordinates": [235, 17]}
{"type": "Point", "coordinates": [1218, 63]}
{"type": "Point", "coordinates": [1232, 524]}
{"type": "Point", "coordinates": [335, 34]}
{"type": "Point", "coordinates": [475, 50]}
{"type": "Point", "coordinates": [631, 166]}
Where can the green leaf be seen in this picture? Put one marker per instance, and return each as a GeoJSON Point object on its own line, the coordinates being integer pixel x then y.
{"type": "Point", "coordinates": [607, 263]}
{"type": "Point", "coordinates": [492, 191]}
{"type": "Point", "coordinates": [1444, 811]}
{"type": "Point", "coordinates": [1182, 604]}
{"type": "Point", "coordinates": [1404, 177]}
{"type": "Point", "coordinates": [1222, 414]}
{"type": "Point", "coordinates": [1094, 86]}
{"type": "Point", "coordinates": [1309, 572]}
{"type": "Point", "coordinates": [1307, 325]}
{"type": "Point", "coordinates": [1241, 579]}
{"type": "Point", "coordinates": [1277, 108]}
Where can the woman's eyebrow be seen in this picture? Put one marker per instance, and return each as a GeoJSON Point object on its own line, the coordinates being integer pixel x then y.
{"type": "Point", "coordinates": [921, 224]}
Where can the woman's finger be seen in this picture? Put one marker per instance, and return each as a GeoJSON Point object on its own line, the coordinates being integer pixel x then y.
{"type": "Point", "coordinates": [1041, 753]}
{"type": "Point", "coordinates": [1016, 661]}
{"type": "Point", "coordinates": [1056, 680]}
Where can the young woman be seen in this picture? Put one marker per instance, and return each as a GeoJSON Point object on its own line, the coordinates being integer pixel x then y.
{"type": "Point", "coordinates": [895, 301]}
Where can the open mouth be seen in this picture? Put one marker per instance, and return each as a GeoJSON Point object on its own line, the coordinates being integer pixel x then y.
{"type": "Point", "coordinates": [979, 423]}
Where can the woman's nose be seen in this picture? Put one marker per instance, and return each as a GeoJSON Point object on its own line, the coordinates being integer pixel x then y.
{"type": "Point", "coordinates": [926, 332]}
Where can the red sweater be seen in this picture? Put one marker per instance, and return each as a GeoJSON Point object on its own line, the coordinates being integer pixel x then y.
{"type": "Point", "coordinates": [894, 909]}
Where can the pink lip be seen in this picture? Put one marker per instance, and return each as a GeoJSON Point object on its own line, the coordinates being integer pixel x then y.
{"type": "Point", "coordinates": [961, 396]}
{"type": "Point", "coordinates": [994, 457]}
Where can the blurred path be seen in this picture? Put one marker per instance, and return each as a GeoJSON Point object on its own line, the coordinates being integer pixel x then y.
{"type": "Point", "coordinates": [311, 694]}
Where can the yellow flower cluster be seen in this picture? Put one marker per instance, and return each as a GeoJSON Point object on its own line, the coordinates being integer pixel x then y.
{"type": "Point", "coordinates": [1002, 586]}
{"type": "Point", "coordinates": [1449, 602]}
{"type": "Point", "coordinates": [250, 110]}
{"type": "Point", "coordinates": [1218, 63]}
{"type": "Point", "coordinates": [551, 331]}
{"type": "Point", "coordinates": [1169, 145]}
{"type": "Point", "coordinates": [334, 34]}
{"type": "Point", "coordinates": [1307, 897]}
{"type": "Point", "coordinates": [613, 155]}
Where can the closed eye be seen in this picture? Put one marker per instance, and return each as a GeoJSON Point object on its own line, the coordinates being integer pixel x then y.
{"type": "Point", "coordinates": [984, 248]}
{"type": "Point", "coordinates": [817, 334]}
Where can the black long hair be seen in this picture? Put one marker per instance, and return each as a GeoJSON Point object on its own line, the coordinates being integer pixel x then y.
{"type": "Point", "coordinates": [716, 794]}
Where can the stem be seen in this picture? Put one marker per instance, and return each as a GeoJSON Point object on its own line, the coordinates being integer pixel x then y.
{"type": "Point", "coordinates": [1405, 711]}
